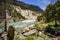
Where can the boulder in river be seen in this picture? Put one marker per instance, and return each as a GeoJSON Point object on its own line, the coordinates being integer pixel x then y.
{"type": "Point", "coordinates": [30, 32]}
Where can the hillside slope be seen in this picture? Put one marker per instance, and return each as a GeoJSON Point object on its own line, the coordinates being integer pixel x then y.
{"type": "Point", "coordinates": [17, 10]}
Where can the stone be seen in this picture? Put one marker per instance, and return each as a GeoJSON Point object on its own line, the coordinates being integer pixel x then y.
{"type": "Point", "coordinates": [30, 32]}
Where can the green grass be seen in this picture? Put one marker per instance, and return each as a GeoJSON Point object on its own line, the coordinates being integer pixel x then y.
{"type": "Point", "coordinates": [40, 26]}
{"type": "Point", "coordinates": [17, 38]}
{"type": "Point", "coordinates": [43, 36]}
{"type": "Point", "coordinates": [30, 38]}
{"type": "Point", "coordinates": [27, 38]}
{"type": "Point", "coordinates": [52, 23]}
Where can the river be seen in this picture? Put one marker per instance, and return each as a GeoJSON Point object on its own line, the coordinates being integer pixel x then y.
{"type": "Point", "coordinates": [21, 24]}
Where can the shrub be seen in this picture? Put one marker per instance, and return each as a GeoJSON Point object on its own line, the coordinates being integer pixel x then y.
{"type": "Point", "coordinates": [30, 38]}
{"type": "Point", "coordinates": [39, 18]}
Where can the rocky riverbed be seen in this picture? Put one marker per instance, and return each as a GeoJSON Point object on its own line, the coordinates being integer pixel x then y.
{"type": "Point", "coordinates": [20, 36]}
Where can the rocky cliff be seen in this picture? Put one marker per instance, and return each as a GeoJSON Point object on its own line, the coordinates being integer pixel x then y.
{"type": "Point", "coordinates": [17, 10]}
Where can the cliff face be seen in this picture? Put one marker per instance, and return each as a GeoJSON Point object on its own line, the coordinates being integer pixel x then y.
{"type": "Point", "coordinates": [17, 10]}
{"type": "Point", "coordinates": [28, 14]}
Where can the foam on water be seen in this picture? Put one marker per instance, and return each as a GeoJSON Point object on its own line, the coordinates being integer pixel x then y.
{"type": "Point", "coordinates": [21, 24]}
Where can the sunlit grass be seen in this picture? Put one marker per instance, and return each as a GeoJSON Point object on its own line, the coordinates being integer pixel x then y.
{"type": "Point", "coordinates": [43, 36]}
{"type": "Point", "coordinates": [30, 38]}
{"type": "Point", "coordinates": [53, 22]}
{"type": "Point", "coordinates": [27, 38]}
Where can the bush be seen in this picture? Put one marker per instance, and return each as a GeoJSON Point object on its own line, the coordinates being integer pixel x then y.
{"type": "Point", "coordinates": [38, 18]}
{"type": "Point", "coordinates": [50, 29]}
{"type": "Point", "coordinates": [30, 38]}
{"type": "Point", "coordinates": [43, 36]}
{"type": "Point", "coordinates": [17, 15]}
{"type": "Point", "coordinates": [16, 38]}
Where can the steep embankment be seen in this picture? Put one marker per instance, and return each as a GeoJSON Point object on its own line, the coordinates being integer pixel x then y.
{"type": "Point", "coordinates": [17, 10]}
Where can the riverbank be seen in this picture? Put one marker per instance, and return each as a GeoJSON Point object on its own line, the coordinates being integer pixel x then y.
{"type": "Point", "coordinates": [33, 31]}
{"type": "Point", "coordinates": [37, 36]}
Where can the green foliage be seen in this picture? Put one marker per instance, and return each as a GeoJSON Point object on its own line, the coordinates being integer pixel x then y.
{"type": "Point", "coordinates": [39, 18]}
{"type": "Point", "coordinates": [24, 6]}
{"type": "Point", "coordinates": [30, 38]}
{"type": "Point", "coordinates": [40, 26]}
{"type": "Point", "coordinates": [52, 12]}
{"type": "Point", "coordinates": [33, 13]}
{"type": "Point", "coordinates": [53, 29]}
{"type": "Point", "coordinates": [50, 29]}
{"type": "Point", "coordinates": [12, 11]}
{"type": "Point", "coordinates": [0, 12]}
{"type": "Point", "coordinates": [43, 36]}
{"type": "Point", "coordinates": [27, 38]}
{"type": "Point", "coordinates": [37, 27]}
{"type": "Point", "coordinates": [17, 15]}
{"type": "Point", "coordinates": [17, 38]}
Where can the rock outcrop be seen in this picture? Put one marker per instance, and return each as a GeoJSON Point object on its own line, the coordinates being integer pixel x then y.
{"type": "Point", "coordinates": [18, 10]}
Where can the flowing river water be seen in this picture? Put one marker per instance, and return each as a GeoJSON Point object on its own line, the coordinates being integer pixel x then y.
{"type": "Point", "coordinates": [20, 24]}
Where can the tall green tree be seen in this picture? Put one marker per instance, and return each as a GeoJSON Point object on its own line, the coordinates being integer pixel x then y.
{"type": "Point", "coordinates": [52, 12]}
